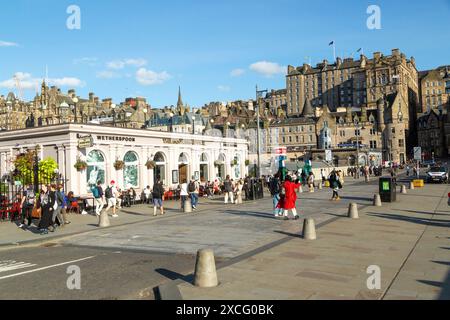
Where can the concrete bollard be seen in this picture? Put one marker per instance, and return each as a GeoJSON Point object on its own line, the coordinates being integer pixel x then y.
{"type": "Point", "coordinates": [377, 200]}
{"type": "Point", "coordinates": [104, 220]}
{"type": "Point", "coordinates": [309, 229]}
{"type": "Point", "coordinates": [353, 211]}
{"type": "Point", "coordinates": [411, 185]}
{"type": "Point", "coordinates": [188, 205]}
{"type": "Point", "coordinates": [205, 269]}
{"type": "Point", "coordinates": [403, 189]}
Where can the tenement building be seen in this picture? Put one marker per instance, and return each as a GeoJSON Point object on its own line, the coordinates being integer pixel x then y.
{"type": "Point", "coordinates": [435, 89]}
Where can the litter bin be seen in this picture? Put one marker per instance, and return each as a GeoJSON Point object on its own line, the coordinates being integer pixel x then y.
{"type": "Point", "coordinates": [388, 190]}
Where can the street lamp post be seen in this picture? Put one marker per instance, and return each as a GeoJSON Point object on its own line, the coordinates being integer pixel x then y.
{"type": "Point", "coordinates": [113, 107]}
{"type": "Point", "coordinates": [171, 115]}
{"type": "Point", "coordinates": [75, 101]}
{"type": "Point", "coordinates": [258, 152]}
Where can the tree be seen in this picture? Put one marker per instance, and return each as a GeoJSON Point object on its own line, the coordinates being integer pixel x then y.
{"type": "Point", "coordinates": [24, 171]}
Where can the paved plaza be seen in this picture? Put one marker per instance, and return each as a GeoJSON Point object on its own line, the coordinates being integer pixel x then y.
{"type": "Point", "coordinates": [257, 256]}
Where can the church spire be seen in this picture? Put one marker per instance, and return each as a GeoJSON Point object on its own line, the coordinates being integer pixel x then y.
{"type": "Point", "coordinates": [180, 100]}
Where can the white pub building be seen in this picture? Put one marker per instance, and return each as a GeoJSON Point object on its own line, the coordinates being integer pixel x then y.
{"type": "Point", "coordinates": [144, 155]}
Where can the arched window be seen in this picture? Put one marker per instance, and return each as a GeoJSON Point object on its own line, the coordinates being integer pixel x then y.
{"type": "Point", "coordinates": [131, 170]}
{"type": "Point", "coordinates": [160, 168]}
{"type": "Point", "coordinates": [96, 168]}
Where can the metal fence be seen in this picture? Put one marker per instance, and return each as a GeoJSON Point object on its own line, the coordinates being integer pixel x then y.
{"type": "Point", "coordinates": [12, 187]}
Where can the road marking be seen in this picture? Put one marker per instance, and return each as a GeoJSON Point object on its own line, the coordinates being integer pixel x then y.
{"type": "Point", "coordinates": [44, 268]}
{"type": "Point", "coordinates": [10, 265]}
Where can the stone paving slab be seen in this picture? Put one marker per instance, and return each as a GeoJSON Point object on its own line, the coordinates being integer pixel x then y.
{"type": "Point", "coordinates": [402, 238]}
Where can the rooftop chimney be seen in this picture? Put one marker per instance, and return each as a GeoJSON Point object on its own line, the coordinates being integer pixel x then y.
{"type": "Point", "coordinates": [395, 52]}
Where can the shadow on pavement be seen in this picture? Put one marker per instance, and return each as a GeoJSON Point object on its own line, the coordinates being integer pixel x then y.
{"type": "Point", "coordinates": [423, 221]}
{"type": "Point", "coordinates": [252, 214]}
{"type": "Point", "coordinates": [445, 292]}
{"type": "Point", "coordinates": [445, 263]}
{"type": "Point", "coordinates": [445, 248]}
{"type": "Point", "coordinates": [172, 275]}
{"type": "Point", "coordinates": [289, 234]}
{"type": "Point", "coordinates": [357, 198]}
{"type": "Point", "coordinates": [423, 212]}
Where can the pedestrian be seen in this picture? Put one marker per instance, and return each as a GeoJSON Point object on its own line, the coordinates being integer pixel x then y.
{"type": "Point", "coordinates": [27, 204]}
{"type": "Point", "coordinates": [62, 195]}
{"type": "Point", "coordinates": [303, 177]}
{"type": "Point", "coordinates": [288, 198]}
{"type": "Point", "coordinates": [228, 189]}
{"type": "Point", "coordinates": [407, 170]}
{"type": "Point", "coordinates": [335, 185]}
{"type": "Point", "coordinates": [47, 204]}
{"type": "Point", "coordinates": [57, 218]}
{"type": "Point", "coordinates": [183, 193]}
{"type": "Point", "coordinates": [238, 190]}
{"type": "Point", "coordinates": [158, 197]}
{"type": "Point", "coordinates": [311, 182]}
{"type": "Point", "coordinates": [111, 195]}
{"type": "Point", "coordinates": [322, 176]}
{"type": "Point", "coordinates": [275, 188]}
{"type": "Point", "coordinates": [97, 192]}
{"type": "Point", "coordinates": [147, 193]}
{"type": "Point", "coordinates": [194, 190]}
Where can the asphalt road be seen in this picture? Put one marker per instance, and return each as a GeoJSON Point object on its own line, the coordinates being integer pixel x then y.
{"type": "Point", "coordinates": [41, 273]}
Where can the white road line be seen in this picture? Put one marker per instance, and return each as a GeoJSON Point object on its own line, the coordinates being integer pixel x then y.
{"type": "Point", "coordinates": [44, 268]}
{"type": "Point", "coordinates": [14, 266]}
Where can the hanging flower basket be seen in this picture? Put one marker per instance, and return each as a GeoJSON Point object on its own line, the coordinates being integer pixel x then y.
{"type": "Point", "coordinates": [80, 165]}
{"type": "Point", "coordinates": [119, 164]}
{"type": "Point", "coordinates": [150, 164]}
{"type": "Point", "coordinates": [247, 162]}
{"type": "Point", "coordinates": [234, 163]}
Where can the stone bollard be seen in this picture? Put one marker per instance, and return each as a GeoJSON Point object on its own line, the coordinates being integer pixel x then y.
{"type": "Point", "coordinates": [411, 185]}
{"type": "Point", "coordinates": [103, 220]}
{"type": "Point", "coordinates": [353, 211]}
{"type": "Point", "coordinates": [403, 189]}
{"type": "Point", "coordinates": [205, 269]}
{"type": "Point", "coordinates": [309, 229]}
{"type": "Point", "coordinates": [188, 205]}
{"type": "Point", "coordinates": [377, 200]}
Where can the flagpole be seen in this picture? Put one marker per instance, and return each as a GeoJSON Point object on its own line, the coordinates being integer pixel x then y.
{"type": "Point", "coordinates": [334, 52]}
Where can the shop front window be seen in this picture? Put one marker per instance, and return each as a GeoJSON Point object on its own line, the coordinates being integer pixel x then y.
{"type": "Point", "coordinates": [96, 168]}
{"type": "Point", "coordinates": [131, 170]}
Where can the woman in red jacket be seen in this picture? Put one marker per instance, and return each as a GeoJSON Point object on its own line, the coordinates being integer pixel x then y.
{"type": "Point", "coordinates": [288, 197]}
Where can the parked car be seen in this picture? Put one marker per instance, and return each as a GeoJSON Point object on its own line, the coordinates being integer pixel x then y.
{"type": "Point", "coordinates": [437, 174]}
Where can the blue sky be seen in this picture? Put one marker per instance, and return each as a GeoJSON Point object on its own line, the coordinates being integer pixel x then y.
{"type": "Point", "coordinates": [215, 50]}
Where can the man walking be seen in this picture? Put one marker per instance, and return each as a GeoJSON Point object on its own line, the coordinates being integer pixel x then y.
{"type": "Point", "coordinates": [311, 182]}
{"type": "Point", "coordinates": [97, 192]}
{"type": "Point", "coordinates": [158, 195]}
{"type": "Point", "coordinates": [194, 190]}
{"type": "Point", "coordinates": [111, 195]}
{"type": "Point", "coordinates": [27, 204]}
{"type": "Point", "coordinates": [228, 189]}
{"type": "Point", "coordinates": [274, 187]}
{"type": "Point", "coordinates": [62, 195]}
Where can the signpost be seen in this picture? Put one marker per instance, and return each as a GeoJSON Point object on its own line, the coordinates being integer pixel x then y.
{"type": "Point", "coordinates": [85, 142]}
{"type": "Point", "coordinates": [328, 156]}
{"type": "Point", "coordinates": [417, 153]}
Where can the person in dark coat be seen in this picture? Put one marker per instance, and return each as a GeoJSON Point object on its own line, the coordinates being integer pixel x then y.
{"type": "Point", "coordinates": [47, 202]}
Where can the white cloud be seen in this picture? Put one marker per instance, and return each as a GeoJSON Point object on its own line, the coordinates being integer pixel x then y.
{"type": "Point", "coordinates": [91, 61]}
{"type": "Point", "coordinates": [107, 75]}
{"type": "Point", "coordinates": [8, 44]}
{"type": "Point", "coordinates": [267, 68]}
{"type": "Point", "coordinates": [237, 72]}
{"type": "Point", "coordinates": [27, 82]}
{"type": "Point", "coordinates": [120, 64]}
{"type": "Point", "coordinates": [66, 82]}
{"type": "Point", "coordinates": [224, 88]}
{"type": "Point", "coordinates": [149, 77]}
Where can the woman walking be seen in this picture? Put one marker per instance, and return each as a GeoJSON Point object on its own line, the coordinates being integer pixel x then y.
{"type": "Point", "coordinates": [335, 185]}
{"type": "Point", "coordinates": [183, 193]}
{"type": "Point", "coordinates": [289, 198]}
{"type": "Point", "coordinates": [46, 202]}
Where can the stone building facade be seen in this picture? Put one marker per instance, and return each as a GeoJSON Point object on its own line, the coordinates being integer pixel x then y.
{"type": "Point", "coordinates": [435, 89]}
